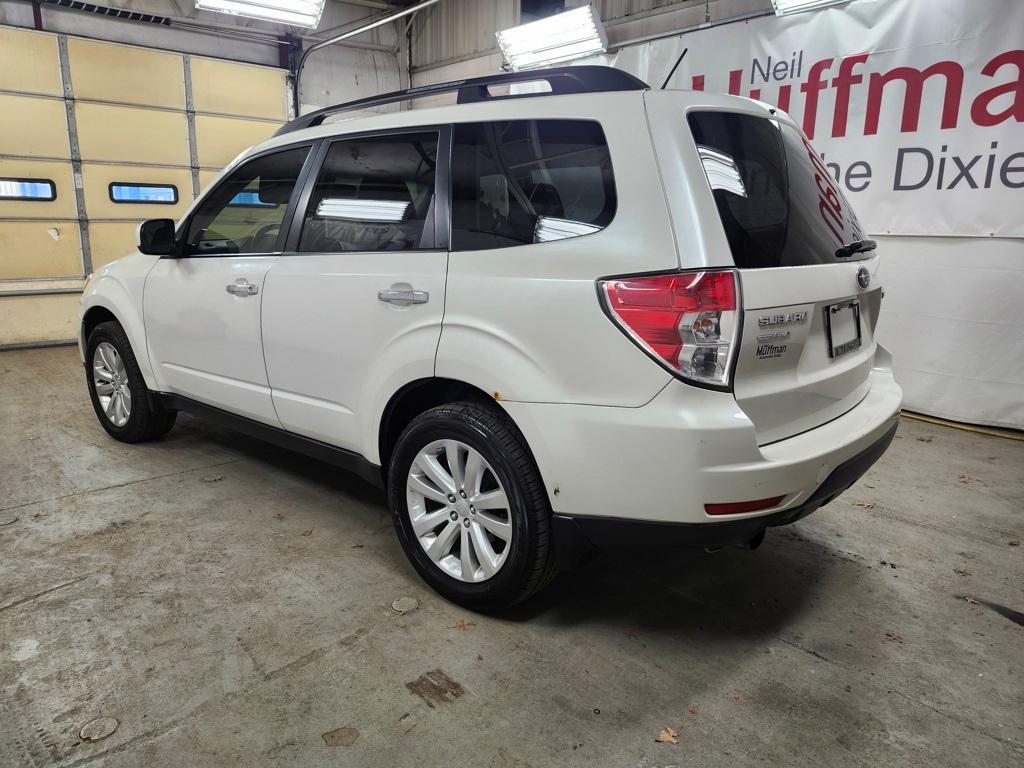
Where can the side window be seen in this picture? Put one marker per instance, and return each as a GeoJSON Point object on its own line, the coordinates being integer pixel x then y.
{"type": "Point", "coordinates": [373, 194]}
{"type": "Point", "coordinates": [27, 189]}
{"type": "Point", "coordinates": [132, 192]}
{"type": "Point", "coordinates": [518, 182]}
{"type": "Point", "coordinates": [244, 212]}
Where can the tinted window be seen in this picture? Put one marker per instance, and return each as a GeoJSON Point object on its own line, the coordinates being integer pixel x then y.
{"type": "Point", "coordinates": [127, 192]}
{"type": "Point", "coordinates": [374, 194]}
{"type": "Point", "coordinates": [777, 202]}
{"type": "Point", "coordinates": [518, 182]}
{"type": "Point", "coordinates": [221, 226]}
{"type": "Point", "coordinates": [27, 189]}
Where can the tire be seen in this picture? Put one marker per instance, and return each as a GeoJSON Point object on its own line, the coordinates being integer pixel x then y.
{"type": "Point", "coordinates": [143, 422]}
{"type": "Point", "coordinates": [527, 559]}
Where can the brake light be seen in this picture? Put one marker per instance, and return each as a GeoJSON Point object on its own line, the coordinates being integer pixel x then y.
{"type": "Point", "coordinates": [688, 321]}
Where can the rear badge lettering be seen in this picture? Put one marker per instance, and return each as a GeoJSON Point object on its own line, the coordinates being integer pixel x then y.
{"type": "Point", "coordinates": [772, 336]}
{"type": "Point", "coordinates": [781, 319]}
{"type": "Point", "coordinates": [769, 351]}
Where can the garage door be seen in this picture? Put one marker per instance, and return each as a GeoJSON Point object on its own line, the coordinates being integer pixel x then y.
{"type": "Point", "coordinates": [94, 138]}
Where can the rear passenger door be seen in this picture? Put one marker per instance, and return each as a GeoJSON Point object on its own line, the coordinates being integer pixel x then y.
{"type": "Point", "coordinates": [353, 309]}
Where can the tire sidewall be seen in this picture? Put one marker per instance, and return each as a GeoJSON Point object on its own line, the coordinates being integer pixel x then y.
{"type": "Point", "coordinates": [507, 584]}
{"type": "Point", "coordinates": [115, 336]}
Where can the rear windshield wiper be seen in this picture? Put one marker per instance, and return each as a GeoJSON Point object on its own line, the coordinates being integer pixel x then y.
{"type": "Point", "coordinates": [857, 246]}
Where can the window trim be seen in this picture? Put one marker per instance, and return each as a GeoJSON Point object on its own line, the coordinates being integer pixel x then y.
{"type": "Point", "coordinates": [442, 186]}
{"type": "Point", "coordinates": [314, 146]}
{"type": "Point", "coordinates": [146, 185]}
{"type": "Point", "coordinates": [21, 180]}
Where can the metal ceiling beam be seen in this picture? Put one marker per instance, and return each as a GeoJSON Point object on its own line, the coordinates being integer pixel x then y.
{"type": "Point", "coordinates": [373, 24]}
{"type": "Point", "coordinates": [379, 5]}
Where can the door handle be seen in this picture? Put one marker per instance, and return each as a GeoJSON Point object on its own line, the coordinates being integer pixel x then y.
{"type": "Point", "coordinates": [242, 287]}
{"type": "Point", "coordinates": [403, 298]}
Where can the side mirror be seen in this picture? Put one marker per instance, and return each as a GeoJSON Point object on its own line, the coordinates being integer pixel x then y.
{"type": "Point", "coordinates": [155, 237]}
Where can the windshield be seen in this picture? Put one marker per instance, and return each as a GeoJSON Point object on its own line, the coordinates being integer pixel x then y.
{"type": "Point", "coordinates": [777, 201]}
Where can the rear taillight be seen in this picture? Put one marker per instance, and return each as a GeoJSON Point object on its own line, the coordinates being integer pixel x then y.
{"type": "Point", "coordinates": [688, 321]}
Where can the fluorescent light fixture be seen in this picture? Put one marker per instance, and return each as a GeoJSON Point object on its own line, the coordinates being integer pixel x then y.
{"type": "Point", "coordinates": [554, 39]}
{"type": "Point", "coordinates": [782, 7]}
{"type": "Point", "coordinates": [721, 171]}
{"type": "Point", "coordinates": [297, 13]}
{"type": "Point", "coordinates": [549, 228]}
{"type": "Point", "coordinates": [362, 210]}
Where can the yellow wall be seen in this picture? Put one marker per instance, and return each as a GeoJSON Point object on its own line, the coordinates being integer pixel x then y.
{"type": "Point", "coordinates": [132, 127]}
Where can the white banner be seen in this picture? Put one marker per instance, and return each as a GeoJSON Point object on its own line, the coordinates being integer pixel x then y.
{"type": "Point", "coordinates": [916, 105]}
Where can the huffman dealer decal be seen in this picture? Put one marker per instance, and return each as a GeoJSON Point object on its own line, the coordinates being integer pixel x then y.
{"type": "Point", "coordinates": [768, 350]}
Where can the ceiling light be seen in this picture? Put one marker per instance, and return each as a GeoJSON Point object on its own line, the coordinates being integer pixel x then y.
{"type": "Point", "coordinates": [721, 170]}
{"type": "Point", "coordinates": [549, 228]}
{"type": "Point", "coordinates": [554, 39]}
{"type": "Point", "coordinates": [361, 210]}
{"type": "Point", "coordinates": [297, 13]}
{"type": "Point", "coordinates": [782, 7]}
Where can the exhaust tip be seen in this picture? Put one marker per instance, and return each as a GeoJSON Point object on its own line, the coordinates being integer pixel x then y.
{"type": "Point", "coordinates": [753, 543]}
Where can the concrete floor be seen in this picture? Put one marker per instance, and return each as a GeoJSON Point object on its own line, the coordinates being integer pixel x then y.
{"type": "Point", "coordinates": [229, 604]}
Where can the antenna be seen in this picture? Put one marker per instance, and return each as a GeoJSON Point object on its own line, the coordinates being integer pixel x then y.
{"type": "Point", "coordinates": [674, 68]}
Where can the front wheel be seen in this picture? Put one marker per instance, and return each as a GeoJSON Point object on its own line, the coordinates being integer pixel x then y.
{"type": "Point", "coordinates": [117, 389]}
{"type": "Point", "coordinates": [470, 508]}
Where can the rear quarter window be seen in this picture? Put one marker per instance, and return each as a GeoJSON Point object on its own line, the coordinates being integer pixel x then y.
{"type": "Point", "coordinates": [520, 182]}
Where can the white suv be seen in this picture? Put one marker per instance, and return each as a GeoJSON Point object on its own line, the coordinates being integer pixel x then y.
{"type": "Point", "coordinates": [543, 321]}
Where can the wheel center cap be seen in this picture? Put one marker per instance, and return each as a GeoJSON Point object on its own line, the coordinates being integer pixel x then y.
{"type": "Point", "coordinates": [462, 507]}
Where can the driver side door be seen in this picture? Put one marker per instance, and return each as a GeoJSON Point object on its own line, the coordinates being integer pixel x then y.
{"type": "Point", "coordinates": [202, 305]}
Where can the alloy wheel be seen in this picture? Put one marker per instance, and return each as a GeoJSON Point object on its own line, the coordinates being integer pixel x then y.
{"type": "Point", "coordinates": [111, 382]}
{"type": "Point", "coordinates": [459, 510]}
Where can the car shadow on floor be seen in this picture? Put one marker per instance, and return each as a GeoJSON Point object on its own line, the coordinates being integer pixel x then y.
{"type": "Point", "coordinates": [732, 592]}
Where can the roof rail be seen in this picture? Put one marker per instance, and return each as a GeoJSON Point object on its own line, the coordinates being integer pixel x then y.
{"type": "Point", "coordinates": [562, 80]}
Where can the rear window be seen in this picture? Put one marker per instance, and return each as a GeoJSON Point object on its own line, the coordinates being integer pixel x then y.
{"type": "Point", "coordinates": [778, 204]}
{"type": "Point", "coordinates": [518, 182]}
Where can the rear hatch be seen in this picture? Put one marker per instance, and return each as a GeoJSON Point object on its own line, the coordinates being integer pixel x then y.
{"type": "Point", "coordinates": [810, 295]}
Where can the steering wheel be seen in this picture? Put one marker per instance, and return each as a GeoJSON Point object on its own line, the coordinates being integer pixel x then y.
{"type": "Point", "coordinates": [262, 232]}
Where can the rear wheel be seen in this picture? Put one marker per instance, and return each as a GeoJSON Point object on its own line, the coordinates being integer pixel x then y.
{"type": "Point", "coordinates": [469, 506]}
{"type": "Point", "coordinates": [118, 391]}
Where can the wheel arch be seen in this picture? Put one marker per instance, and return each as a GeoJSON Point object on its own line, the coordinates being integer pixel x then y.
{"type": "Point", "coordinates": [91, 318]}
{"type": "Point", "coordinates": [100, 308]}
{"type": "Point", "coordinates": [421, 395]}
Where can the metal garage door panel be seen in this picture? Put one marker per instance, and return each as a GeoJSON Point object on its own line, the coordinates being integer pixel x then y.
{"type": "Point", "coordinates": [110, 240]}
{"type": "Point", "coordinates": [206, 178]}
{"type": "Point", "coordinates": [39, 249]}
{"type": "Point", "coordinates": [33, 126]}
{"type": "Point", "coordinates": [238, 89]}
{"type": "Point", "coordinates": [142, 76]}
{"type": "Point", "coordinates": [25, 319]}
{"type": "Point", "coordinates": [220, 139]}
{"type": "Point", "coordinates": [96, 180]}
{"type": "Point", "coordinates": [31, 62]}
{"type": "Point", "coordinates": [57, 172]}
{"type": "Point", "coordinates": [132, 134]}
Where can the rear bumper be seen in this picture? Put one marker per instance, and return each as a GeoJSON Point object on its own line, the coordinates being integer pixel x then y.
{"type": "Point", "coordinates": [575, 534]}
{"type": "Point", "coordinates": [662, 462]}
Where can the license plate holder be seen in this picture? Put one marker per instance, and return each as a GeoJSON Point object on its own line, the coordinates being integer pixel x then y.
{"type": "Point", "coordinates": [842, 327]}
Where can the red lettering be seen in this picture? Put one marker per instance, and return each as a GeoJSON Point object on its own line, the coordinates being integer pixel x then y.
{"type": "Point", "coordinates": [735, 77]}
{"type": "Point", "coordinates": [913, 80]}
{"type": "Point", "coordinates": [810, 90]}
{"type": "Point", "coordinates": [842, 84]}
{"type": "Point", "coordinates": [981, 112]}
{"type": "Point", "coordinates": [783, 101]}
